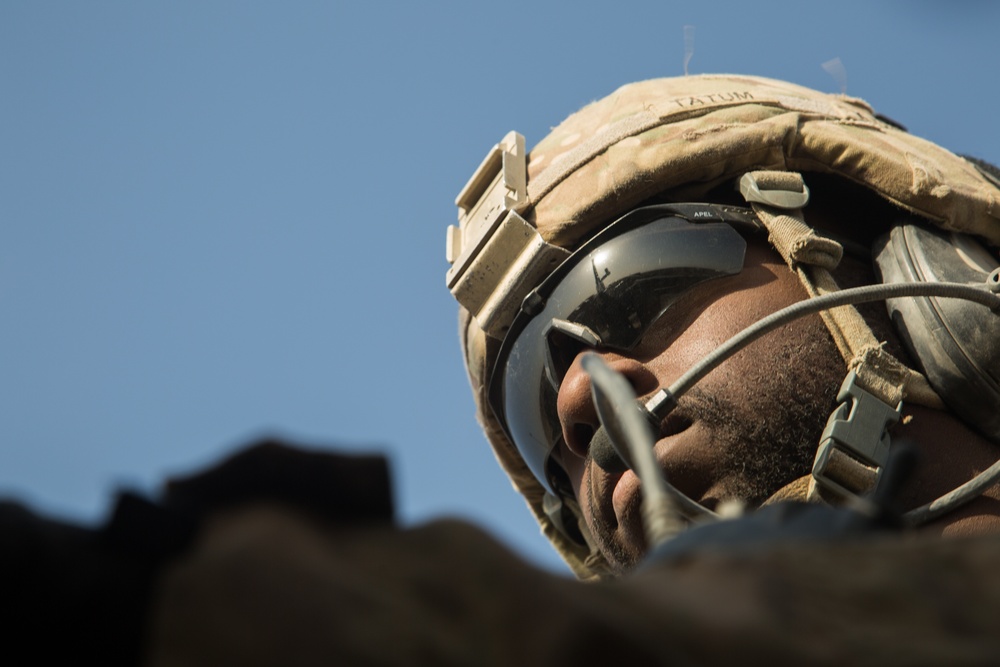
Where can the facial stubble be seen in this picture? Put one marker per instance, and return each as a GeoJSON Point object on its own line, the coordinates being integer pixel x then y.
{"type": "Point", "coordinates": [765, 433]}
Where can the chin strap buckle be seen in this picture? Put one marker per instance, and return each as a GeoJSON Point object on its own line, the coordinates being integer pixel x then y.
{"type": "Point", "coordinates": [854, 447]}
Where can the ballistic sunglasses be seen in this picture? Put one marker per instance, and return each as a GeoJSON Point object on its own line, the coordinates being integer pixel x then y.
{"type": "Point", "coordinates": [606, 295]}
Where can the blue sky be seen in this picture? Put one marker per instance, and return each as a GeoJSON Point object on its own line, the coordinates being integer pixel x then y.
{"type": "Point", "coordinates": [220, 220]}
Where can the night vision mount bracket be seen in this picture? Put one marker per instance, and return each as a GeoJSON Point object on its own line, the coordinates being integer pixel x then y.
{"type": "Point", "coordinates": [497, 256]}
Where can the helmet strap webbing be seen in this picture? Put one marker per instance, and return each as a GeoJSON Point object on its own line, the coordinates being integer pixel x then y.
{"type": "Point", "coordinates": [777, 197]}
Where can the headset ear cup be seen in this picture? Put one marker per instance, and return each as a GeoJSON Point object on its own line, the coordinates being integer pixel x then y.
{"type": "Point", "coordinates": [955, 342]}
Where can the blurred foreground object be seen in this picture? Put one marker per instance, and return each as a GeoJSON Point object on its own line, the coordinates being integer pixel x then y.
{"type": "Point", "coordinates": [283, 557]}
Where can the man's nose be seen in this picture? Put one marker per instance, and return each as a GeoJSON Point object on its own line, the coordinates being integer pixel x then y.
{"type": "Point", "coordinates": [575, 405]}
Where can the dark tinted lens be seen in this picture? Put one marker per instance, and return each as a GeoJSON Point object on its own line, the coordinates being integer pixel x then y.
{"type": "Point", "coordinates": [617, 290]}
{"type": "Point", "coordinates": [621, 313]}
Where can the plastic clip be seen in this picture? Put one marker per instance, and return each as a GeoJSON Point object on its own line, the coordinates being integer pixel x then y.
{"type": "Point", "coordinates": [777, 197]}
{"type": "Point", "coordinates": [854, 447]}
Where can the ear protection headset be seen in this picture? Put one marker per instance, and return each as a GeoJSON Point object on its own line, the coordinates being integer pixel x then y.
{"type": "Point", "coordinates": [956, 343]}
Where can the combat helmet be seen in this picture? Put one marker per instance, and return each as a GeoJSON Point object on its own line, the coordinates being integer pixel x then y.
{"type": "Point", "coordinates": [523, 214]}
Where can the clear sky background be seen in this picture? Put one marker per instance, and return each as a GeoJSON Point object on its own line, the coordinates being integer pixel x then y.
{"type": "Point", "coordinates": [220, 220]}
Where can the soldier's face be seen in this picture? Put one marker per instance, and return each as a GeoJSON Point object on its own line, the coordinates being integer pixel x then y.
{"type": "Point", "coordinates": [744, 431]}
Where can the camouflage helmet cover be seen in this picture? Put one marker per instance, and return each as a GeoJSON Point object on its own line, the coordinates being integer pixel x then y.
{"type": "Point", "coordinates": [698, 131]}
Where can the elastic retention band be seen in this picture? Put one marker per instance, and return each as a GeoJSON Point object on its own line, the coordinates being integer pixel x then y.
{"type": "Point", "coordinates": [580, 155]}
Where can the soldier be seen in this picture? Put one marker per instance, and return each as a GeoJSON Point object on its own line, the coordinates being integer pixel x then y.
{"type": "Point", "coordinates": [798, 193]}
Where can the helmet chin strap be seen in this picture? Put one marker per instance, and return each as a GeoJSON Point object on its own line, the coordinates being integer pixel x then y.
{"type": "Point", "coordinates": [854, 447]}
